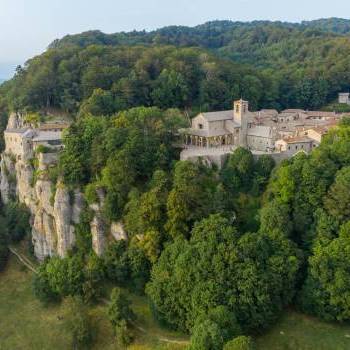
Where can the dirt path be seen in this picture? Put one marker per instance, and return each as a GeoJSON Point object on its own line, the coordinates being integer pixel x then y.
{"type": "Point", "coordinates": [159, 338]}
{"type": "Point", "coordinates": [23, 260]}
{"type": "Point", "coordinates": [162, 339]}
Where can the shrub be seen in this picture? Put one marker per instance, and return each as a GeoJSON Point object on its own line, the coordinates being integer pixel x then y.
{"type": "Point", "coordinates": [119, 308]}
{"type": "Point", "coordinates": [240, 343]}
{"type": "Point", "coordinates": [78, 323]}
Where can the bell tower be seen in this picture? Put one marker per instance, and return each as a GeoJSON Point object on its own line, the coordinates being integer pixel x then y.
{"type": "Point", "coordinates": [240, 109]}
{"type": "Point", "coordinates": [240, 116]}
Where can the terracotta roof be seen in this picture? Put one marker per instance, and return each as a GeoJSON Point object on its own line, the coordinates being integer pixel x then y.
{"type": "Point", "coordinates": [323, 129]}
{"type": "Point", "coordinates": [216, 116]}
{"type": "Point", "coordinates": [297, 139]}
{"type": "Point", "coordinates": [260, 131]}
{"type": "Point", "coordinates": [48, 126]}
{"type": "Point", "coordinates": [48, 136]}
{"type": "Point", "coordinates": [293, 111]}
{"type": "Point", "coordinates": [16, 131]}
{"type": "Point", "coordinates": [320, 114]}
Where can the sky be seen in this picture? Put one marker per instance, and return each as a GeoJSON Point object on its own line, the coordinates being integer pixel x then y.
{"type": "Point", "coordinates": [27, 27]}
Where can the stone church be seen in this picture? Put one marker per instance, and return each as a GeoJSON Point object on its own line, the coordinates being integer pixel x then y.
{"type": "Point", "coordinates": [213, 135]}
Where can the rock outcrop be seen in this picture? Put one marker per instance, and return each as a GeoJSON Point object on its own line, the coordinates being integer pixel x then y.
{"type": "Point", "coordinates": [54, 208]}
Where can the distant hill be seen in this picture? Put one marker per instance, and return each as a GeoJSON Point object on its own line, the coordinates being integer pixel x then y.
{"type": "Point", "coordinates": [263, 44]}
{"type": "Point", "coordinates": [214, 34]}
{"type": "Point", "coordinates": [271, 64]}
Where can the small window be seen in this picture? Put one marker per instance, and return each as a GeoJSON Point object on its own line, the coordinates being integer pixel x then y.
{"type": "Point", "coordinates": [200, 126]}
{"type": "Point", "coordinates": [289, 147]}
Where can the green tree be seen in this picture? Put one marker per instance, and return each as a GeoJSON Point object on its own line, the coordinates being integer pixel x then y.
{"type": "Point", "coordinates": [326, 289]}
{"type": "Point", "coordinates": [238, 170]}
{"type": "Point", "coordinates": [78, 323]}
{"type": "Point", "coordinates": [99, 103]}
{"type": "Point", "coordinates": [206, 336]}
{"type": "Point", "coordinates": [171, 90]}
{"type": "Point", "coordinates": [119, 308]}
{"type": "Point", "coordinates": [338, 197]}
{"type": "Point", "coordinates": [123, 334]}
{"type": "Point", "coordinates": [42, 288]}
{"type": "Point", "coordinates": [190, 198]}
{"type": "Point", "coordinates": [253, 275]}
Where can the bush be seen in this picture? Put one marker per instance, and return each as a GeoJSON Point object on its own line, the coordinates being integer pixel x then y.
{"type": "Point", "coordinates": [119, 308]}
{"type": "Point", "coordinates": [43, 149]}
{"type": "Point", "coordinates": [78, 323]}
{"type": "Point", "coordinates": [16, 221]}
{"type": "Point", "coordinates": [42, 289]}
{"type": "Point", "coordinates": [127, 266]}
{"type": "Point", "coordinates": [240, 343]}
{"type": "Point", "coordinates": [123, 334]}
{"type": "Point", "coordinates": [206, 336]}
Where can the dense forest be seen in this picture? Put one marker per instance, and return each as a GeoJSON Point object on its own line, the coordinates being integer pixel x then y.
{"type": "Point", "coordinates": [218, 252]}
{"type": "Point", "coordinates": [272, 64]}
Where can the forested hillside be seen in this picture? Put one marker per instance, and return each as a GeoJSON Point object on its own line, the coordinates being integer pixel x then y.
{"type": "Point", "coordinates": [271, 64]}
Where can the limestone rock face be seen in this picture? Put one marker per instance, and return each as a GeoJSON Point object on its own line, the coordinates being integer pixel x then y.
{"type": "Point", "coordinates": [63, 218]}
{"type": "Point", "coordinates": [15, 121]}
{"type": "Point", "coordinates": [44, 235]}
{"type": "Point", "coordinates": [78, 206]}
{"type": "Point", "coordinates": [53, 214]}
{"type": "Point", "coordinates": [98, 229]}
{"type": "Point", "coordinates": [118, 232]}
{"type": "Point", "coordinates": [8, 172]}
{"type": "Point", "coordinates": [54, 209]}
{"type": "Point", "coordinates": [98, 226]}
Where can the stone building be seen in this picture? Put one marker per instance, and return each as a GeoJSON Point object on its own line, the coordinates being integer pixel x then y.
{"type": "Point", "coordinates": [22, 142]}
{"type": "Point", "coordinates": [50, 139]}
{"type": "Point", "coordinates": [19, 142]}
{"type": "Point", "coordinates": [344, 97]}
{"type": "Point", "coordinates": [214, 135]}
{"type": "Point", "coordinates": [292, 145]}
{"type": "Point", "coordinates": [226, 128]}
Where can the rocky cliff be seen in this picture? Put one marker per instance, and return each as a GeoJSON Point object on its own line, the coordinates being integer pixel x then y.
{"type": "Point", "coordinates": [54, 208]}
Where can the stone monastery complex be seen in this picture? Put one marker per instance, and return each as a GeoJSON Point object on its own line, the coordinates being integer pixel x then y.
{"type": "Point", "coordinates": [213, 135]}
{"type": "Point", "coordinates": [32, 151]}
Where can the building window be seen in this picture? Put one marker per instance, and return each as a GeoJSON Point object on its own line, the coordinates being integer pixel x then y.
{"type": "Point", "coordinates": [289, 147]}
{"type": "Point", "coordinates": [200, 126]}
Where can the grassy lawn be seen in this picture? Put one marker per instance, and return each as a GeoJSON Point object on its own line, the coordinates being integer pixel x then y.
{"type": "Point", "coordinates": [26, 324]}
{"type": "Point", "coordinates": [295, 331]}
